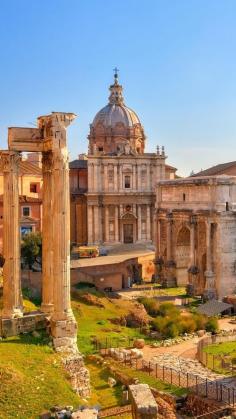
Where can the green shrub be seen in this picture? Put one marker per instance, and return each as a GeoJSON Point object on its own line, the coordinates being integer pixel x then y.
{"type": "Point", "coordinates": [200, 321]}
{"type": "Point", "coordinates": [212, 325]}
{"type": "Point", "coordinates": [171, 330]}
{"type": "Point", "coordinates": [168, 309]}
{"type": "Point", "coordinates": [151, 305]}
{"type": "Point", "coordinates": [187, 325]}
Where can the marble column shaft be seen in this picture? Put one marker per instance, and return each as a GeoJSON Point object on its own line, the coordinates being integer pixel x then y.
{"type": "Point", "coordinates": [61, 236]}
{"type": "Point", "coordinates": [47, 235]}
{"type": "Point", "coordinates": [116, 224]}
{"type": "Point", "coordinates": [12, 298]}
{"type": "Point", "coordinates": [148, 226]}
{"type": "Point", "coordinates": [169, 240]}
{"type": "Point", "coordinates": [139, 223]}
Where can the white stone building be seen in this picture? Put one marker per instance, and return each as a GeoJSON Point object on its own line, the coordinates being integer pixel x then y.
{"type": "Point", "coordinates": [121, 176]}
{"type": "Point", "coordinates": [196, 234]}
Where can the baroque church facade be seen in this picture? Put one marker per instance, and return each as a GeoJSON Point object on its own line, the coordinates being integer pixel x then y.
{"type": "Point", "coordinates": [121, 178]}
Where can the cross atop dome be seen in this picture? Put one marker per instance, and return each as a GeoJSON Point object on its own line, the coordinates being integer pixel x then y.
{"type": "Point", "coordinates": [116, 74]}
{"type": "Point", "coordinates": [116, 97]}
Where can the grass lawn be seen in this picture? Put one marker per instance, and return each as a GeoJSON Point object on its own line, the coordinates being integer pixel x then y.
{"type": "Point", "coordinates": [225, 348]}
{"type": "Point", "coordinates": [217, 354]}
{"type": "Point", "coordinates": [32, 378]}
{"type": "Point", "coordinates": [94, 321]}
{"type": "Point", "coordinates": [144, 377]}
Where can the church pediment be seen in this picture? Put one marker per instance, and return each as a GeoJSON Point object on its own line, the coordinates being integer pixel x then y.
{"type": "Point", "coordinates": [128, 216]}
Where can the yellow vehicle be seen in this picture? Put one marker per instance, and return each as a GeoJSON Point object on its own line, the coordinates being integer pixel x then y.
{"type": "Point", "coordinates": [87, 251]}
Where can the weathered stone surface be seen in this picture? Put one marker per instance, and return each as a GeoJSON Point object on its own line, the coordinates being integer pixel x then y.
{"type": "Point", "coordinates": [79, 375]}
{"type": "Point", "coordinates": [195, 228]}
{"type": "Point", "coordinates": [144, 405]}
{"type": "Point", "coordinates": [26, 324]}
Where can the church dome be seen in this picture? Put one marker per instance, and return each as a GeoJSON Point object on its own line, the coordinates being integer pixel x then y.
{"type": "Point", "coordinates": [116, 125]}
{"type": "Point", "coordinates": [112, 114]}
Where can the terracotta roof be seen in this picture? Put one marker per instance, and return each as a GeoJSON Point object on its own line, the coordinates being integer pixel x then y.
{"type": "Point", "coordinates": [28, 168]}
{"type": "Point", "coordinates": [24, 198]}
{"type": "Point", "coordinates": [214, 170]}
{"type": "Point", "coordinates": [213, 308]}
{"type": "Point", "coordinates": [167, 166]}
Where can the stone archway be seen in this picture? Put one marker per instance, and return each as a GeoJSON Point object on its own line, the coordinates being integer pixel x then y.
{"type": "Point", "coordinates": [182, 255]}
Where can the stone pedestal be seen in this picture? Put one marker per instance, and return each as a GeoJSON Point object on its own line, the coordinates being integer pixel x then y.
{"type": "Point", "coordinates": [169, 280]}
{"type": "Point", "coordinates": [192, 287]}
{"type": "Point", "coordinates": [12, 298]}
{"type": "Point", "coordinates": [210, 291]}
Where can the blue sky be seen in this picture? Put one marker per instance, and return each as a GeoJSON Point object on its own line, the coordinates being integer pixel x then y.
{"type": "Point", "coordinates": [177, 64]}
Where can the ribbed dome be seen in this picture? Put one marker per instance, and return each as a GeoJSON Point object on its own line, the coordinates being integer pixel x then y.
{"type": "Point", "coordinates": [112, 114]}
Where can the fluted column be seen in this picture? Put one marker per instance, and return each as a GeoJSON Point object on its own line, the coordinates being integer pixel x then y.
{"type": "Point", "coordinates": [115, 178]}
{"type": "Point", "coordinates": [210, 290]}
{"type": "Point", "coordinates": [139, 223]}
{"type": "Point", "coordinates": [107, 223]}
{"type": "Point", "coordinates": [105, 178]}
{"type": "Point", "coordinates": [61, 236]}
{"type": "Point", "coordinates": [148, 226]}
{"type": "Point", "coordinates": [169, 239]}
{"type": "Point", "coordinates": [116, 224]}
{"type": "Point", "coordinates": [12, 299]}
{"type": "Point", "coordinates": [134, 185]}
{"type": "Point", "coordinates": [139, 178]}
{"type": "Point", "coordinates": [148, 178]}
{"type": "Point", "coordinates": [47, 235]}
{"type": "Point", "coordinates": [90, 223]}
{"type": "Point", "coordinates": [192, 243]}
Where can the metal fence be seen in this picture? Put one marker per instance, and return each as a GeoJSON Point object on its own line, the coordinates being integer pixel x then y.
{"type": "Point", "coordinates": [215, 390]}
{"type": "Point", "coordinates": [218, 363]}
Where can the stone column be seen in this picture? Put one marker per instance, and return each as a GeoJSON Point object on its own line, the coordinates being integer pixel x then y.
{"type": "Point", "coordinates": [139, 178]}
{"type": "Point", "coordinates": [115, 178]}
{"type": "Point", "coordinates": [192, 243]}
{"type": "Point", "coordinates": [106, 223]}
{"type": "Point", "coordinates": [90, 223]}
{"type": "Point", "coordinates": [97, 224]}
{"type": "Point", "coordinates": [105, 178]}
{"type": "Point", "coordinates": [193, 271]}
{"type": "Point", "coordinates": [210, 291]}
{"type": "Point", "coordinates": [134, 185]}
{"type": "Point", "coordinates": [47, 235]}
{"type": "Point", "coordinates": [121, 188]}
{"type": "Point", "coordinates": [148, 178]}
{"type": "Point", "coordinates": [169, 239]}
{"type": "Point", "coordinates": [116, 224]}
{"type": "Point", "coordinates": [63, 324]}
{"type": "Point", "coordinates": [170, 274]}
{"type": "Point", "coordinates": [139, 223]}
{"type": "Point", "coordinates": [148, 226]}
{"type": "Point", "coordinates": [12, 298]}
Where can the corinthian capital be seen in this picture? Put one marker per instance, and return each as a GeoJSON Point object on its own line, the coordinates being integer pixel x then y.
{"type": "Point", "coordinates": [9, 161]}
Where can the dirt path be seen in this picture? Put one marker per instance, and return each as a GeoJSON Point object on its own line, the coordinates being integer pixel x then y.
{"type": "Point", "coordinates": [187, 349]}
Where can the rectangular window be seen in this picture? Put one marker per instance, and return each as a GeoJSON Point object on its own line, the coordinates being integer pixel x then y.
{"type": "Point", "coordinates": [26, 211]}
{"type": "Point", "coordinates": [127, 182]}
{"type": "Point", "coordinates": [33, 187]}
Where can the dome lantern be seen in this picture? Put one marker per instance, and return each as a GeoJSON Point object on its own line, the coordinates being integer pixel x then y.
{"type": "Point", "coordinates": [115, 126]}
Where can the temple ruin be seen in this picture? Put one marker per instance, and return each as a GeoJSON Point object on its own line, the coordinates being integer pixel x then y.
{"type": "Point", "coordinates": [49, 138]}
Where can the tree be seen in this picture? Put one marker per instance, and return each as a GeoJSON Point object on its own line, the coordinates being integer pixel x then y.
{"type": "Point", "coordinates": [31, 248]}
